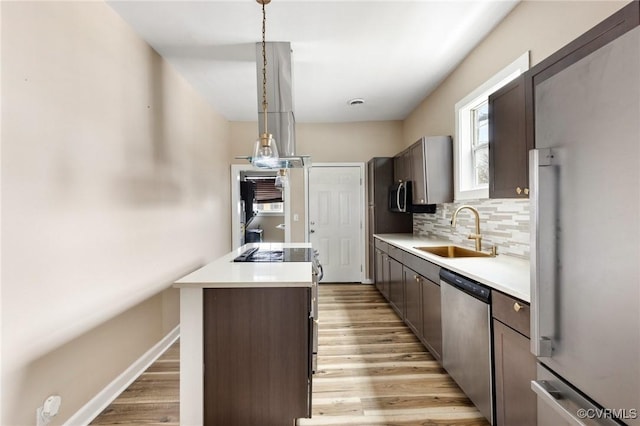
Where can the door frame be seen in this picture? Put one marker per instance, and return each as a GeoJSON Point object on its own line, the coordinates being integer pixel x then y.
{"type": "Point", "coordinates": [236, 169]}
{"type": "Point", "coordinates": [363, 208]}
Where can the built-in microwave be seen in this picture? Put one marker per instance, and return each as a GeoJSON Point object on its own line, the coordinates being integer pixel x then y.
{"type": "Point", "coordinates": [400, 197]}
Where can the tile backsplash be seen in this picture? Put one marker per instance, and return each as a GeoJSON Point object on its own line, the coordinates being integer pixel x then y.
{"type": "Point", "coordinates": [503, 223]}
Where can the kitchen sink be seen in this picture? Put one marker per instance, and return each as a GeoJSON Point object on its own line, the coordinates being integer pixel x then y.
{"type": "Point", "coordinates": [453, 251]}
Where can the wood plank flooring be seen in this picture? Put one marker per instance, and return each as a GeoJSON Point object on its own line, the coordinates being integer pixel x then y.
{"type": "Point", "coordinates": [372, 371]}
{"type": "Point", "coordinates": [153, 399]}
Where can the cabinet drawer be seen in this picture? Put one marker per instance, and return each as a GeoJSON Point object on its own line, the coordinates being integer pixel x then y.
{"type": "Point", "coordinates": [381, 245]}
{"type": "Point", "coordinates": [511, 311]}
{"type": "Point", "coordinates": [423, 267]}
{"type": "Point", "coordinates": [396, 253]}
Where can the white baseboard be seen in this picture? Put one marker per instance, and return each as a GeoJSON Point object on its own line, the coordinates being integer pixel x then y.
{"type": "Point", "coordinates": [98, 403]}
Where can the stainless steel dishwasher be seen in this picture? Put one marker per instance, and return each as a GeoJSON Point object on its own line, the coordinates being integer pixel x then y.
{"type": "Point", "coordinates": [466, 338]}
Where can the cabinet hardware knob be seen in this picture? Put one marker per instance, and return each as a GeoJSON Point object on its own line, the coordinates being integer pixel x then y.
{"type": "Point", "coordinates": [518, 190]}
{"type": "Point", "coordinates": [526, 191]}
{"type": "Point", "coordinates": [517, 307]}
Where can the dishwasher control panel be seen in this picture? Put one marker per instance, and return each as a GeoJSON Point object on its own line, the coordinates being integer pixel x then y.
{"type": "Point", "coordinates": [471, 287]}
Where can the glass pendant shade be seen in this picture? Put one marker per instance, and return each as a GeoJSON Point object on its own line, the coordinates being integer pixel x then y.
{"type": "Point", "coordinates": [282, 180]}
{"type": "Point", "coordinates": [265, 152]}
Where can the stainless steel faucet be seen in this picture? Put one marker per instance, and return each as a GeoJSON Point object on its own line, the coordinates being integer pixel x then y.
{"type": "Point", "coordinates": [477, 236]}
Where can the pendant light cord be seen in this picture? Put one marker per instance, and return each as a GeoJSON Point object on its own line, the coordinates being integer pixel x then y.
{"type": "Point", "coordinates": [264, 67]}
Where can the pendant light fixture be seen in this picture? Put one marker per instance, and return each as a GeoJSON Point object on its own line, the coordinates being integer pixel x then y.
{"type": "Point", "coordinates": [265, 152]}
{"type": "Point", "coordinates": [282, 179]}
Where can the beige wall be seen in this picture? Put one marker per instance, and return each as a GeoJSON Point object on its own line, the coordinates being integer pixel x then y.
{"type": "Point", "coordinates": [296, 193]}
{"type": "Point", "coordinates": [111, 174]}
{"type": "Point", "coordinates": [542, 27]}
{"type": "Point", "coordinates": [330, 142]}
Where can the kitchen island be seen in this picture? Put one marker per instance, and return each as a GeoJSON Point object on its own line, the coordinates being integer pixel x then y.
{"type": "Point", "coordinates": [245, 340]}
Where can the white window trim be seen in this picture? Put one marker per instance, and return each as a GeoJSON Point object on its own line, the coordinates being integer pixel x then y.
{"type": "Point", "coordinates": [462, 169]}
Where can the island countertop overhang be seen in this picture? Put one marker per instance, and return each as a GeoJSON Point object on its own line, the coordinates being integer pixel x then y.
{"type": "Point", "coordinates": [224, 273]}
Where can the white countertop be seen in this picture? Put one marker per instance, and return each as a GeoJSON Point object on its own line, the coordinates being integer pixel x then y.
{"type": "Point", "coordinates": [507, 274]}
{"type": "Point", "coordinates": [224, 273]}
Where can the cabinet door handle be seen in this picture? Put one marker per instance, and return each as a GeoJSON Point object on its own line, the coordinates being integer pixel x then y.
{"type": "Point", "coordinates": [520, 191]}
{"type": "Point", "coordinates": [517, 307]}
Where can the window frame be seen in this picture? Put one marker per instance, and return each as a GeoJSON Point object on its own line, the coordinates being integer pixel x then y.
{"type": "Point", "coordinates": [475, 146]}
{"type": "Point", "coordinates": [465, 185]}
{"type": "Point", "coordinates": [260, 212]}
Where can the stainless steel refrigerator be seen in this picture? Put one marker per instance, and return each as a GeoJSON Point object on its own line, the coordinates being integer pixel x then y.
{"type": "Point", "coordinates": [585, 264]}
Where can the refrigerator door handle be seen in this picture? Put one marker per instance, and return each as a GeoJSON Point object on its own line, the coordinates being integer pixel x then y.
{"type": "Point", "coordinates": [556, 398]}
{"type": "Point", "coordinates": [568, 404]}
{"type": "Point", "coordinates": [551, 397]}
{"type": "Point", "coordinates": [543, 222]}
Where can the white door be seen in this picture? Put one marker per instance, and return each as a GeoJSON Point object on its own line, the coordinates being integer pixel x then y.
{"type": "Point", "coordinates": [335, 221]}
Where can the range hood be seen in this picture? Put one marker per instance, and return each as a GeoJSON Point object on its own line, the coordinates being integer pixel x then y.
{"type": "Point", "coordinates": [280, 118]}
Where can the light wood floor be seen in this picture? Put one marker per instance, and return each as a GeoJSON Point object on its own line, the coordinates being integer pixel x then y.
{"type": "Point", "coordinates": [153, 399]}
{"type": "Point", "coordinates": [372, 371]}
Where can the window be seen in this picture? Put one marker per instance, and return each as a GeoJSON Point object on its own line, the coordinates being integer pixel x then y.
{"type": "Point", "coordinates": [269, 198]}
{"type": "Point", "coordinates": [480, 144]}
{"type": "Point", "coordinates": [270, 208]}
{"type": "Point", "coordinates": [471, 149]}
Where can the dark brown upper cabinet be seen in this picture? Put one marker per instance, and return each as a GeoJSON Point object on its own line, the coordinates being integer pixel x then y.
{"type": "Point", "coordinates": [512, 108]}
{"type": "Point", "coordinates": [428, 165]}
{"type": "Point", "coordinates": [508, 145]}
{"type": "Point", "coordinates": [402, 166]}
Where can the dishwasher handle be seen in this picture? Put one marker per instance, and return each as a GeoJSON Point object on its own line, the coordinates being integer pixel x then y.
{"type": "Point", "coordinates": [467, 285]}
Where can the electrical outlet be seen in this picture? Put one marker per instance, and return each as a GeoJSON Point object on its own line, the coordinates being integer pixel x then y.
{"type": "Point", "coordinates": [49, 409]}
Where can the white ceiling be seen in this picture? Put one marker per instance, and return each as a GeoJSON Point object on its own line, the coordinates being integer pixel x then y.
{"type": "Point", "coordinates": [390, 53]}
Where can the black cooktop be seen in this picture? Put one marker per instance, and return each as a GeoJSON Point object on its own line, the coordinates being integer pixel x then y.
{"type": "Point", "coordinates": [282, 255]}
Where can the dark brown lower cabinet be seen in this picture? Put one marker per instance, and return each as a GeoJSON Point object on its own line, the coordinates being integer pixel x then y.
{"type": "Point", "coordinates": [382, 273]}
{"type": "Point", "coordinates": [432, 317]}
{"type": "Point", "coordinates": [257, 365]}
{"type": "Point", "coordinates": [413, 300]}
{"type": "Point", "coordinates": [396, 286]}
{"type": "Point", "coordinates": [515, 368]}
